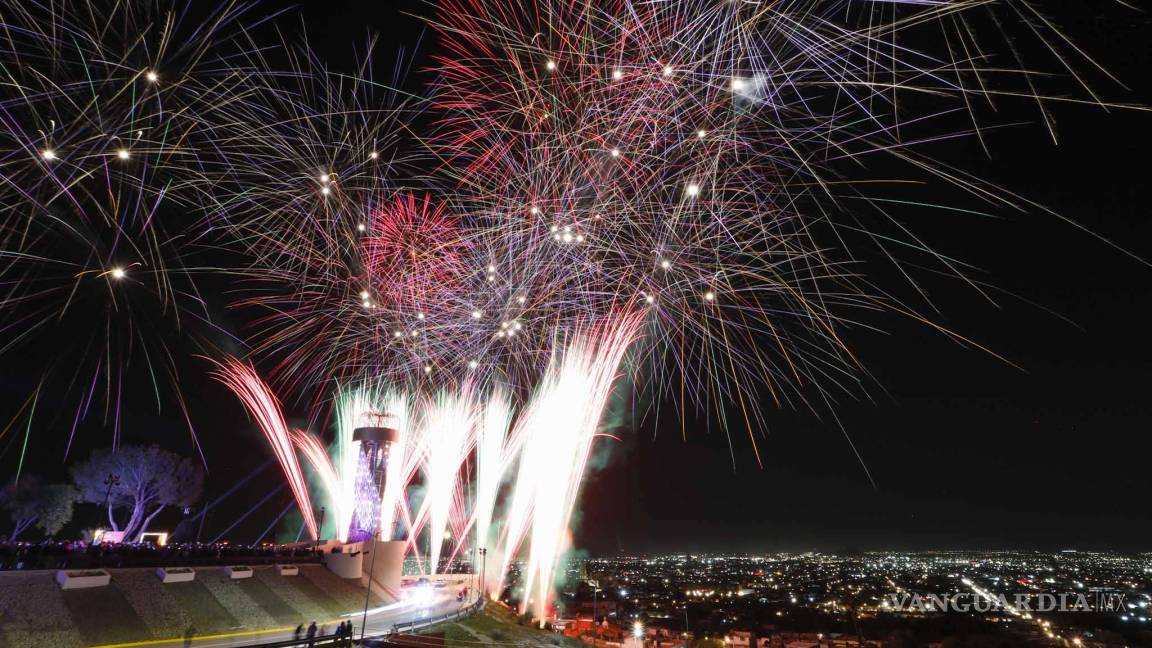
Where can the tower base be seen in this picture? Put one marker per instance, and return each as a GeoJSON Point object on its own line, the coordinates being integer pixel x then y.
{"type": "Point", "coordinates": [383, 572]}
{"type": "Point", "coordinates": [345, 561]}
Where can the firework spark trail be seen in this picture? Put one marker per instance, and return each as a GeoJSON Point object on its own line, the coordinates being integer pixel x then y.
{"type": "Point", "coordinates": [351, 405]}
{"type": "Point", "coordinates": [710, 162]}
{"type": "Point", "coordinates": [491, 437]}
{"type": "Point", "coordinates": [637, 170]}
{"type": "Point", "coordinates": [414, 253]}
{"type": "Point", "coordinates": [560, 423]}
{"type": "Point", "coordinates": [705, 161]}
{"type": "Point", "coordinates": [517, 516]}
{"type": "Point", "coordinates": [460, 519]}
{"type": "Point", "coordinates": [263, 405]}
{"type": "Point", "coordinates": [308, 170]}
{"type": "Point", "coordinates": [397, 406]}
{"type": "Point", "coordinates": [95, 225]}
{"type": "Point", "coordinates": [331, 480]}
{"type": "Point", "coordinates": [408, 467]}
{"type": "Point", "coordinates": [554, 436]}
{"type": "Point", "coordinates": [448, 429]}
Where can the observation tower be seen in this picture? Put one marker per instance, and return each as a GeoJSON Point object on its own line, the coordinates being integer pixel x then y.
{"type": "Point", "coordinates": [371, 472]}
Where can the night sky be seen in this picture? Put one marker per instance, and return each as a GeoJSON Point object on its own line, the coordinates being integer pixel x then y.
{"type": "Point", "coordinates": [965, 450]}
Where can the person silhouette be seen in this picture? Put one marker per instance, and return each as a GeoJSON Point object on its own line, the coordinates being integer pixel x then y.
{"type": "Point", "coordinates": [189, 633]}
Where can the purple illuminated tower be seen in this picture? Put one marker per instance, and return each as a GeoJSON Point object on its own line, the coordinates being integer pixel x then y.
{"type": "Point", "coordinates": [375, 443]}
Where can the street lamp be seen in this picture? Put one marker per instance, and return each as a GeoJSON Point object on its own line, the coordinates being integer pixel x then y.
{"type": "Point", "coordinates": [595, 606]}
{"type": "Point", "coordinates": [319, 530]}
{"type": "Point", "coordinates": [110, 481]}
{"type": "Point", "coordinates": [483, 564]}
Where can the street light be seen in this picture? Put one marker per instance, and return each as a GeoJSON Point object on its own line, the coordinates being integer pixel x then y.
{"type": "Point", "coordinates": [110, 481]}
{"type": "Point", "coordinates": [595, 607]}
{"type": "Point", "coordinates": [483, 565]}
{"type": "Point", "coordinates": [319, 530]}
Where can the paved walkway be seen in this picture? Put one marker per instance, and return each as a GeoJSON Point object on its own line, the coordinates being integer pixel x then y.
{"type": "Point", "coordinates": [437, 602]}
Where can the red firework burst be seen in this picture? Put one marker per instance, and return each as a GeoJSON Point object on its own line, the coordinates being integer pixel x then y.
{"type": "Point", "coordinates": [414, 250]}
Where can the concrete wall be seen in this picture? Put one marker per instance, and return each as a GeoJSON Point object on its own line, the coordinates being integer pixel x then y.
{"type": "Point", "coordinates": [136, 606]}
{"type": "Point", "coordinates": [383, 572]}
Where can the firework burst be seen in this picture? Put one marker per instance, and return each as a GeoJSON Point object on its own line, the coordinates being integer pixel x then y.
{"type": "Point", "coordinates": [99, 107]}
{"type": "Point", "coordinates": [712, 163]}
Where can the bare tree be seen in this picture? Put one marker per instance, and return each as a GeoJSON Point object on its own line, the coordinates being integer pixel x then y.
{"type": "Point", "coordinates": [32, 502]}
{"type": "Point", "coordinates": [138, 481]}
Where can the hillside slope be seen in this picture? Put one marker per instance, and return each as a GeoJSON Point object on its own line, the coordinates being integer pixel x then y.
{"type": "Point", "coordinates": [35, 612]}
{"type": "Point", "coordinates": [498, 626]}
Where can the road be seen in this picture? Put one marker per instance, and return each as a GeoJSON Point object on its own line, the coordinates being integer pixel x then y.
{"type": "Point", "coordinates": [434, 603]}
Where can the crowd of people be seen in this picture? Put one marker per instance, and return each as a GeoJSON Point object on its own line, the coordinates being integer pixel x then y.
{"type": "Point", "coordinates": [84, 555]}
{"type": "Point", "coordinates": [341, 637]}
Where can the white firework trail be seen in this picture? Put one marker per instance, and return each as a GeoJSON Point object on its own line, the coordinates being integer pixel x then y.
{"type": "Point", "coordinates": [559, 425]}
{"type": "Point", "coordinates": [447, 430]}
{"type": "Point", "coordinates": [491, 461]}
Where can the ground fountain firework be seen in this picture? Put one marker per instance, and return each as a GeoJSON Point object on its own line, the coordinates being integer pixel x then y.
{"type": "Point", "coordinates": [458, 434]}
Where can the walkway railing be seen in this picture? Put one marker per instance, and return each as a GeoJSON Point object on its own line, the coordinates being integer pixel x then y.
{"type": "Point", "coordinates": [421, 624]}
{"type": "Point", "coordinates": [326, 641]}
{"type": "Point", "coordinates": [33, 557]}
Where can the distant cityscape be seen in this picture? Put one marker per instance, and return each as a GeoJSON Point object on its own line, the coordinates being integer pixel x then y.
{"type": "Point", "coordinates": [881, 599]}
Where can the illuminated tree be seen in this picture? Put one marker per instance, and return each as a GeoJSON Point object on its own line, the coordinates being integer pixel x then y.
{"type": "Point", "coordinates": [139, 482]}
{"type": "Point", "coordinates": [32, 502]}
